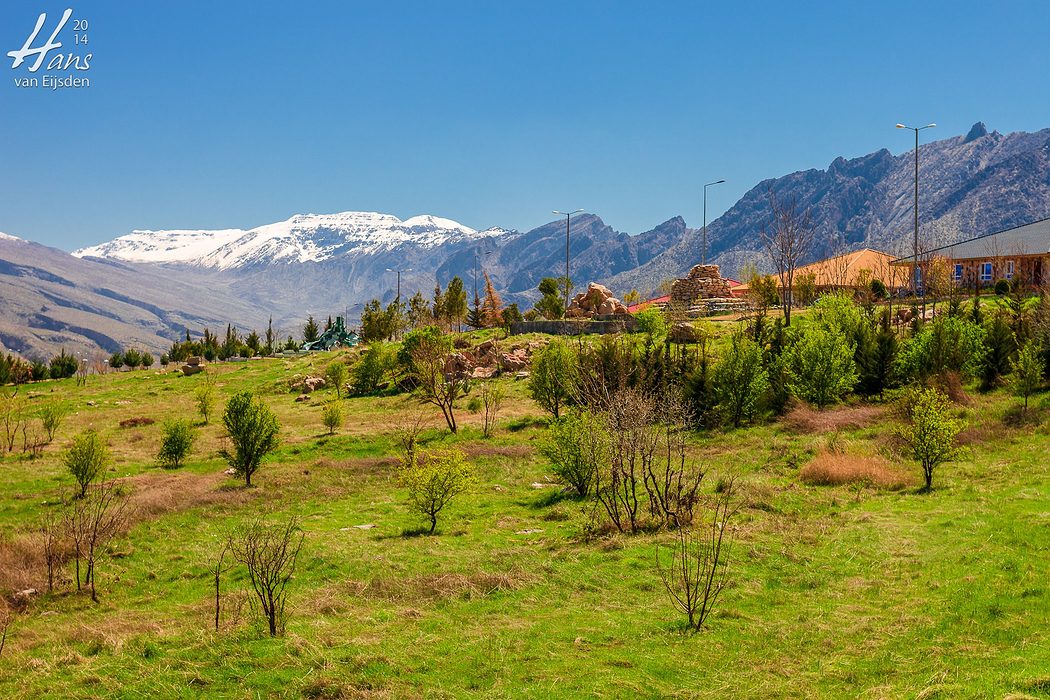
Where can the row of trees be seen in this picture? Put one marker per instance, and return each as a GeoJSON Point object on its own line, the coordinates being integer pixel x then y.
{"type": "Point", "coordinates": [232, 344]}
{"type": "Point", "coordinates": [448, 311]}
{"type": "Point", "coordinates": [840, 348]}
{"type": "Point", "coordinates": [15, 370]}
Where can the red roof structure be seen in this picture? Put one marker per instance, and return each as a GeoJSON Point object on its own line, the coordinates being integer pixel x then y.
{"type": "Point", "coordinates": [643, 305]}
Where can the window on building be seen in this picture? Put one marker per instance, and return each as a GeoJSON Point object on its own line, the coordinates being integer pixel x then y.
{"type": "Point", "coordinates": [986, 272]}
{"type": "Point", "coordinates": [1009, 269]}
{"type": "Point", "coordinates": [957, 273]}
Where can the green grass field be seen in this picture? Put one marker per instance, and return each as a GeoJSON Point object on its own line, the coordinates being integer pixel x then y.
{"type": "Point", "coordinates": [838, 591]}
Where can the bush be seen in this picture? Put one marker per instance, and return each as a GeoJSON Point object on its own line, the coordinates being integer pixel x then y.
{"type": "Point", "coordinates": [947, 344]}
{"type": "Point", "coordinates": [567, 446]}
{"type": "Point", "coordinates": [1027, 375]}
{"type": "Point", "coordinates": [332, 416]}
{"type": "Point", "coordinates": [878, 289]}
{"type": "Point", "coordinates": [145, 360]}
{"type": "Point", "coordinates": [39, 370]}
{"type": "Point", "coordinates": [253, 429]}
{"type": "Point", "coordinates": [1000, 345]}
{"type": "Point", "coordinates": [838, 313]}
{"type": "Point", "coordinates": [132, 358]}
{"type": "Point", "coordinates": [116, 360]}
{"type": "Point", "coordinates": [931, 431]}
{"type": "Point", "coordinates": [86, 459]}
{"type": "Point", "coordinates": [651, 321]}
{"type": "Point", "coordinates": [51, 416]}
{"type": "Point", "coordinates": [176, 443]}
{"type": "Point", "coordinates": [335, 376]}
{"type": "Point", "coordinates": [204, 395]}
{"type": "Point", "coordinates": [553, 377]}
{"type": "Point", "coordinates": [63, 366]}
{"type": "Point", "coordinates": [740, 381]}
{"type": "Point", "coordinates": [369, 373]}
{"type": "Point", "coordinates": [433, 479]}
{"type": "Point", "coordinates": [820, 367]}
{"type": "Point", "coordinates": [1002, 288]}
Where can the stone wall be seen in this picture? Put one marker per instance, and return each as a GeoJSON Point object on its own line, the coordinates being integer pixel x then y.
{"type": "Point", "coordinates": [703, 282]}
{"type": "Point", "coordinates": [570, 327]}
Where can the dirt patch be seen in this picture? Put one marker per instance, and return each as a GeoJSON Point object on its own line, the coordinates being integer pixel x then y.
{"type": "Point", "coordinates": [837, 468]}
{"type": "Point", "coordinates": [439, 586]}
{"type": "Point", "coordinates": [155, 494]}
{"type": "Point", "coordinates": [137, 422]}
{"type": "Point", "coordinates": [367, 465]}
{"type": "Point", "coordinates": [804, 419]}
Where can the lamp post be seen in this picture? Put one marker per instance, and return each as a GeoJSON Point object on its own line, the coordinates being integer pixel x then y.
{"type": "Point", "coordinates": [398, 300]}
{"type": "Point", "coordinates": [703, 254]}
{"type": "Point", "coordinates": [487, 252]}
{"type": "Point", "coordinates": [915, 247]}
{"type": "Point", "coordinates": [567, 215]}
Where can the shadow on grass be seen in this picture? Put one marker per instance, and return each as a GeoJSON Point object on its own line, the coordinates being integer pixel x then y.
{"type": "Point", "coordinates": [519, 424]}
{"type": "Point", "coordinates": [551, 497]}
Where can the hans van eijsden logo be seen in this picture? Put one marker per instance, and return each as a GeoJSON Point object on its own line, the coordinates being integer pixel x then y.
{"type": "Point", "coordinates": [62, 70]}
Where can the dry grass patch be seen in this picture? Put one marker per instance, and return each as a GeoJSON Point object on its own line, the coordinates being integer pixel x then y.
{"type": "Point", "coordinates": [805, 419]}
{"type": "Point", "coordinates": [443, 586]}
{"type": "Point", "coordinates": [830, 468]}
{"type": "Point", "coordinates": [155, 494]}
{"type": "Point", "coordinates": [367, 465]}
{"type": "Point", "coordinates": [475, 450]}
{"type": "Point", "coordinates": [137, 422]}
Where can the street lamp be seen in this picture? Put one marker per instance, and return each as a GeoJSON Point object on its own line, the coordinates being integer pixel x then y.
{"type": "Point", "coordinates": [915, 248]}
{"type": "Point", "coordinates": [487, 252]}
{"type": "Point", "coordinates": [398, 300]}
{"type": "Point", "coordinates": [567, 215]}
{"type": "Point", "coordinates": [703, 254]}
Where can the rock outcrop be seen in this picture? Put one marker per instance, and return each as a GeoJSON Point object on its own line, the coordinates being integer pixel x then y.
{"type": "Point", "coordinates": [598, 300]}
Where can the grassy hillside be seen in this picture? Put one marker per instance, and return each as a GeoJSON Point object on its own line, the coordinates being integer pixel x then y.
{"type": "Point", "coordinates": [835, 591]}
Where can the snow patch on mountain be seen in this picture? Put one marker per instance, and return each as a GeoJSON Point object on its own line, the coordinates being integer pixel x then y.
{"type": "Point", "coordinates": [9, 237]}
{"type": "Point", "coordinates": [302, 238]}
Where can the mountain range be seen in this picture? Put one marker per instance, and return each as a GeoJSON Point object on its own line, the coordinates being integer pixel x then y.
{"type": "Point", "coordinates": [148, 287]}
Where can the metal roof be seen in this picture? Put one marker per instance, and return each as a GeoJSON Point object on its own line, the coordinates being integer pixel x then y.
{"type": "Point", "coordinates": [1029, 239]}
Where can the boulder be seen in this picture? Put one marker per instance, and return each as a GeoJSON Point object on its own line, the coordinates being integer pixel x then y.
{"type": "Point", "coordinates": [598, 300]}
{"type": "Point", "coordinates": [313, 384]}
{"type": "Point", "coordinates": [192, 369]}
{"type": "Point", "coordinates": [514, 361]}
{"type": "Point", "coordinates": [483, 373]}
{"type": "Point", "coordinates": [458, 364]}
{"type": "Point", "coordinates": [683, 332]}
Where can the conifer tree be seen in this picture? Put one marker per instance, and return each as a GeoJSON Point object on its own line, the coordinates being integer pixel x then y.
{"type": "Point", "coordinates": [492, 307]}
{"type": "Point", "coordinates": [310, 331]}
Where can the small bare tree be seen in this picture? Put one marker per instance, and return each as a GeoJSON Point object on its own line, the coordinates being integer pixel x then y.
{"type": "Point", "coordinates": [217, 570]}
{"type": "Point", "coordinates": [788, 240]}
{"type": "Point", "coordinates": [434, 385]}
{"type": "Point", "coordinates": [269, 553]}
{"type": "Point", "coordinates": [51, 536]}
{"type": "Point", "coordinates": [12, 417]}
{"type": "Point", "coordinates": [107, 512]}
{"type": "Point", "coordinates": [406, 435]}
{"type": "Point", "coordinates": [672, 482]}
{"type": "Point", "coordinates": [492, 402]}
{"type": "Point", "coordinates": [6, 616]}
{"type": "Point", "coordinates": [697, 572]}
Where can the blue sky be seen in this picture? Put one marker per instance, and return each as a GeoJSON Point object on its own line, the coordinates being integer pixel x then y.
{"type": "Point", "coordinates": [235, 114]}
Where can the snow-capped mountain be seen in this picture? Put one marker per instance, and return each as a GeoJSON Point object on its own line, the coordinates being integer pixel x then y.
{"type": "Point", "coordinates": [301, 239]}
{"type": "Point", "coordinates": [8, 237]}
